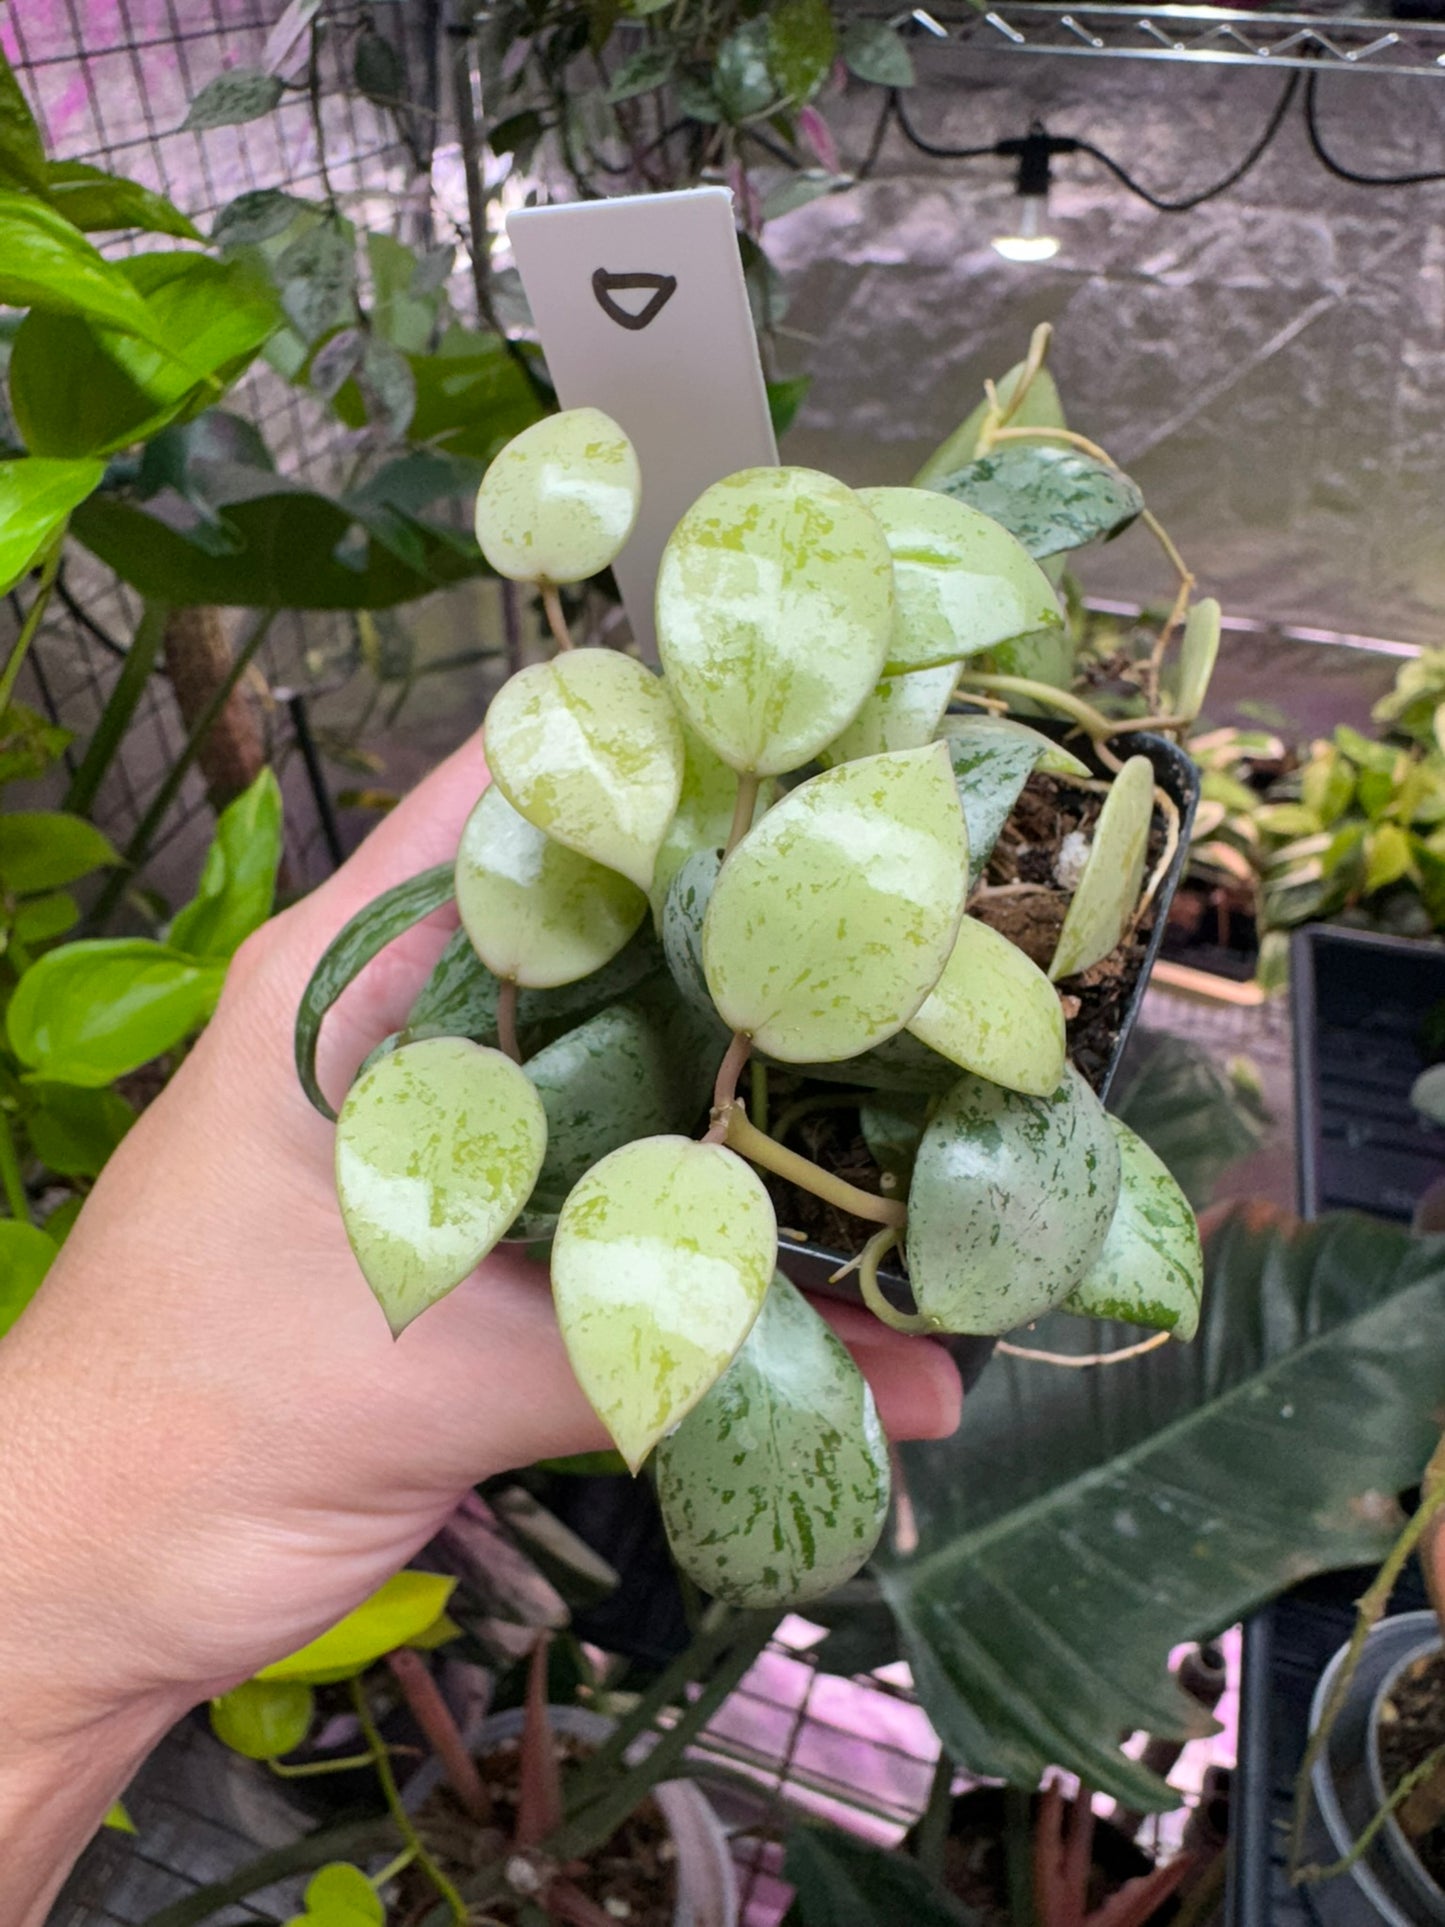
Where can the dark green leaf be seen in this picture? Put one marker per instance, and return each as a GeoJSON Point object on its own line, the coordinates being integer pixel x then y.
{"type": "Point", "coordinates": [845, 1882]}
{"type": "Point", "coordinates": [389, 386]}
{"type": "Point", "coordinates": [258, 216]}
{"type": "Point", "coordinates": [1176, 1097]}
{"type": "Point", "coordinates": [648, 68]}
{"type": "Point", "coordinates": [336, 361]}
{"type": "Point", "coordinates": [366, 936]}
{"type": "Point", "coordinates": [238, 882]}
{"type": "Point", "coordinates": [25, 1256]}
{"type": "Point", "coordinates": [317, 278]}
{"type": "Point", "coordinates": [802, 46]}
{"type": "Point", "coordinates": [1052, 498]}
{"type": "Point", "coordinates": [1164, 1498]}
{"type": "Point", "coordinates": [785, 398]}
{"type": "Point", "coordinates": [95, 201]}
{"type": "Point", "coordinates": [460, 997]}
{"type": "Point", "coordinates": [900, 1063]}
{"type": "Point", "coordinates": [43, 849]}
{"type": "Point", "coordinates": [73, 1131]}
{"type": "Point", "coordinates": [518, 134]}
{"type": "Point", "coordinates": [892, 1127]}
{"type": "Point", "coordinates": [22, 148]}
{"type": "Point", "coordinates": [35, 498]}
{"type": "Point", "coordinates": [993, 757]}
{"type": "Point", "coordinates": [48, 264]}
{"type": "Point", "coordinates": [90, 1012]}
{"type": "Point", "coordinates": [875, 51]}
{"type": "Point", "coordinates": [696, 99]}
{"type": "Point", "coordinates": [377, 69]}
{"type": "Point", "coordinates": [232, 98]}
{"type": "Point", "coordinates": [742, 79]}
{"type": "Point", "coordinates": [471, 398]}
{"type": "Point", "coordinates": [29, 744]}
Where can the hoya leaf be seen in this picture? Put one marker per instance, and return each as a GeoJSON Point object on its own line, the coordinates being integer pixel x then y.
{"type": "Point", "coordinates": [74, 1131]}
{"type": "Point", "coordinates": [994, 1012]}
{"type": "Point", "coordinates": [560, 501]}
{"type": "Point", "coordinates": [875, 51]}
{"type": "Point", "coordinates": [993, 757]}
{"type": "Point", "coordinates": [89, 1012]}
{"type": "Point", "coordinates": [536, 911]}
{"type": "Point", "coordinates": [42, 849]}
{"type": "Point", "coordinates": [238, 880]}
{"type": "Point", "coordinates": [233, 98]}
{"type": "Point", "coordinates": [663, 1255]}
{"type": "Point", "coordinates": [1040, 408]}
{"type": "Point", "coordinates": [703, 816]}
{"type": "Point", "coordinates": [351, 950]}
{"type": "Point", "coordinates": [961, 581]}
{"type": "Point", "coordinates": [46, 263]}
{"type": "Point", "coordinates": [459, 999]}
{"type": "Point", "coordinates": [833, 918]}
{"type": "Point", "coordinates": [1151, 1269]}
{"type": "Point", "coordinates": [1108, 891]}
{"type": "Point", "coordinates": [1197, 654]}
{"type": "Point", "coordinates": [775, 1486]}
{"type": "Point", "coordinates": [22, 146]}
{"type": "Point", "coordinates": [774, 612]}
{"type": "Point", "coordinates": [899, 1064]}
{"type": "Point", "coordinates": [683, 917]}
{"type": "Point", "coordinates": [95, 202]}
{"type": "Point", "coordinates": [588, 748]}
{"type": "Point", "coordinates": [903, 712]}
{"type": "Point", "coordinates": [1010, 1204]}
{"type": "Point", "coordinates": [396, 1614]}
{"type": "Point", "coordinates": [741, 78]}
{"type": "Point", "coordinates": [802, 46]}
{"type": "Point", "coordinates": [1053, 498]}
{"type": "Point", "coordinates": [437, 1148]}
{"type": "Point", "coordinates": [35, 498]}
{"type": "Point", "coordinates": [263, 1719]}
{"type": "Point", "coordinates": [26, 1254]}
{"type": "Point", "coordinates": [259, 215]}
{"type": "Point", "coordinates": [892, 1126]}
{"type": "Point", "coordinates": [976, 735]}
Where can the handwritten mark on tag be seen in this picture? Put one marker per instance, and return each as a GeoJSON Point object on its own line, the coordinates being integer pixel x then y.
{"type": "Point", "coordinates": [603, 285]}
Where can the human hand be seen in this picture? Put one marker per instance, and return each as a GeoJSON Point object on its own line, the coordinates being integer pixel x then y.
{"type": "Point", "coordinates": [212, 1448]}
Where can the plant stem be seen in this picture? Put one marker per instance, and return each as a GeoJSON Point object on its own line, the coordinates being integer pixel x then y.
{"type": "Point", "coordinates": [717, 1633]}
{"type": "Point", "coordinates": [932, 1835]}
{"type": "Point", "coordinates": [556, 620]}
{"type": "Point", "coordinates": [507, 1019]}
{"type": "Point", "coordinates": [793, 1114]}
{"type": "Point", "coordinates": [433, 1716]}
{"type": "Point", "coordinates": [392, 1868]}
{"type": "Point", "coordinates": [351, 1840]}
{"type": "Point", "coordinates": [742, 811]}
{"type": "Point", "coordinates": [758, 1091]}
{"type": "Point", "coordinates": [1076, 1361]}
{"type": "Point", "coordinates": [317, 1769]}
{"type": "Point", "coordinates": [1098, 725]}
{"type": "Point", "coordinates": [50, 568]}
{"type": "Point", "coordinates": [759, 1148]}
{"type": "Point", "coordinates": [115, 718]}
{"type": "Point", "coordinates": [900, 1321]}
{"type": "Point", "coordinates": [405, 1825]}
{"type": "Point", "coordinates": [10, 1177]}
{"type": "Point", "coordinates": [1415, 1777]}
{"type": "Point", "coordinates": [1001, 413]}
{"type": "Point", "coordinates": [539, 1800]}
{"type": "Point", "coordinates": [725, 1086]}
{"type": "Point", "coordinates": [1019, 1855]}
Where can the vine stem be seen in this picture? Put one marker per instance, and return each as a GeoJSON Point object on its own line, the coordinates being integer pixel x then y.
{"type": "Point", "coordinates": [1415, 1777]}
{"type": "Point", "coordinates": [405, 1825]}
{"type": "Point", "coordinates": [1000, 414]}
{"type": "Point", "coordinates": [758, 1148]}
{"type": "Point", "coordinates": [742, 811]}
{"type": "Point", "coordinates": [10, 1175]}
{"type": "Point", "coordinates": [556, 620]}
{"type": "Point", "coordinates": [1093, 721]}
{"type": "Point", "coordinates": [507, 1019]}
{"type": "Point", "coordinates": [877, 1247]}
{"type": "Point", "coordinates": [1076, 1361]}
{"type": "Point", "coordinates": [31, 625]}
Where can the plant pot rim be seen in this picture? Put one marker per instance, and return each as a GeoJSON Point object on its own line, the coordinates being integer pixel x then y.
{"type": "Point", "coordinates": [1396, 1839]}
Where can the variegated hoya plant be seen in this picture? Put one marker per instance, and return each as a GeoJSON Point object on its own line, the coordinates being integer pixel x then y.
{"type": "Point", "coordinates": [765, 860]}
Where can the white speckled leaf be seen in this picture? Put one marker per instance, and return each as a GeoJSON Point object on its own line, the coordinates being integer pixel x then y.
{"type": "Point", "coordinates": [1197, 653]}
{"type": "Point", "coordinates": [662, 1259]}
{"type": "Point", "coordinates": [588, 748]}
{"type": "Point", "coordinates": [1151, 1269]}
{"type": "Point", "coordinates": [560, 501]}
{"type": "Point", "coordinates": [833, 918]}
{"type": "Point", "coordinates": [994, 1012]}
{"type": "Point", "coordinates": [993, 757]}
{"type": "Point", "coordinates": [1108, 891]}
{"type": "Point", "coordinates": [1010, 1203]}
{"type": "Point", "coordinates": [774, 611]}
{"type": "Point", "coordinates": [703, 817]}
{"type": "Point", "coordinates": [775, 1487]}
{"type": "Point", "coordinates": [683, 916]}
{"type": "Point", "coordinates": [437, 1147]}
{"type": "Point", "coordinates": [535, 910]}
{"type": "Point", "coordinates": [902, 713]}
{"type": "Point", "coordinates": [961, 581]}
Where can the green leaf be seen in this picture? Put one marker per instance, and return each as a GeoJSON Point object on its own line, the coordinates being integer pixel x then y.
{"type": "Point", "coordinates": [317, 276]}
{"type": "Point", "coordinates": [1107, 896]}
{"type": "Point", "coordinates": [73, 1131]}
{"type": "Point", "coordinates": [472, 396]}
{"type": "Point", "coordinates": [25, 1256]}
{"type": "Point", "coordinates": [377, 69]}
{"type": "Point", "coordinates": [802, 46]}
{"type": "Point", "coordinates": [832, 919]}
{"type": "Point", "coordinates": [29, 743]}
{"type": "Point", "coordinates": [89, 1012]}
{"type": "Point", "coordinates": [262, 1719]}
{"type": "Point", "coordinates": [238, 882]}
{"type": "Point", "coordinates": [257, 216]}
{"type": "Point", "coordinates": [641, 73]}
{"type": "Point", "coordinates": [892, 1126]}
{"type": "Point", "coordinates": [1387, 856]}
{"type": "Point", "coordinates": [233, 98]}
{"type": "Point", "coordinates": [588, 748]}
{"type": "Point", "coordinates": [95, 202]}
{"type": "Point", "coordinates": [43, 849]}
{"type": "Point", "coordinates": [560, 501]}
{"type": "Point", "coordinates": [351, 950]}
{"type": "Point", "coordinates": [22, 146]}
{"type": "Point", "coordinates": [994, 1012]}
{"type": "Point", "coordinates": [874, 51]}
{"type": "Point", "coordinates": [684, 914]}
{"type": "Point", "coordinates": [1151, 1270]}
{"type": "Point", "coordinates": [993, 757]}
{"type": "Point", "coordinates": [703, 816]}
{"type": "Point", "coordinates": [459, 999]}
{"type": "Point", "coordinates": [774, 1488]}
{"type": "Point", "coordinates": [961, 581]}
{"type": "Point", "coordinates": [741, 78]}
{"type": "Point", "coordinates": [1010, 1203]}
{"type": "Point", "coordinates": [1164, 1498]}
{"type": "Point", "coordinates": [396, 1614]}
{"type": "Point", "coordinates": [785, 398]}
{"type": "Point", "coordinates": [663, 1256]}
{"type": "Point", "coordinates": [437, 1148]}
{"type": "Point", "coordinates": [118, 1819]}
{"type": "Point", "coordinates": [46, 263]}
{"type": "Point", "coordinates": [35, 498]}
{"type": "Point", "coordinates": [1052, 498]}
{"type": "Point", "coordinates": [903, 712]}
{"type": "Point", "coordinates": [1040, 408]}
{"type": "Point", "coordinates": [535, 910]}
{"type": "Point", "coordinates": [1197, 654]}
{"type": "Point", "coordinates": [341, 1896]}
{"type": "Point", "coordinates": [845, 1882]}
{"type": "Point", "coordinates": [774, 610]}
{"type": "Point", "coordinates": [40, 920]}
{"type": "Point", "coordinates": [1174, 1095]}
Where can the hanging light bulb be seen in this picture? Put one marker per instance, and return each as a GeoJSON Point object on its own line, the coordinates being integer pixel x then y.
{"type": "Point", "coordinates": [1029, 239]}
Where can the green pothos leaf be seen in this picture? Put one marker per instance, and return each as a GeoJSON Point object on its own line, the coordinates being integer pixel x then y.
{"type": "Point", "coordinates": [1150, 1270]}
{"type": "Point", "coordinates": [775, 1486]}
{"type": "Point", "coordinates": [1053, 498]}
{"type": "Point", "coordinates": [35, 498]}
{"type": "Point", "coordinates": [26, 1254]}
{"type": "Point", "coordinates": [263, 1719]}
{"type": "Point", "coordinates": [1108, 891]}
{"type": "Point", "coordinates": [402, 1612]}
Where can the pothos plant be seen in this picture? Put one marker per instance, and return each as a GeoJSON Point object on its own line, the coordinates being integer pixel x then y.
{"type": "Point", "coordinates": [765, 860]}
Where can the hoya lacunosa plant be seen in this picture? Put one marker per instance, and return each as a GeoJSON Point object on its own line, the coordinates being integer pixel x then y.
{"type": "Point", "coordinates": [688, 896]}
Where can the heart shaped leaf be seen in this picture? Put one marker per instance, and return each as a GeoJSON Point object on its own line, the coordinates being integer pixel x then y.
{"type": "Point", "coordinates": [1197, 654]}
{"type": "Point", "coordinates": [560, 501]}
{"type": "Point", "coordinates": [775, 1486]}
{"type": "Point", "coordinates": [832, 919]}
{"type": "Point", "coordinates": [535, 910]}
{"type": "Point", "coordinates": [340, 1896]}
{"type": "Point", "coordinates": [587, 747]}
{"type": "Point", "coordinates": [993, 757]}
{"type": "Point", "coordinates": [703, 816]}
{"type": "Point", "coordinates": [663, 1256]}
{"type": "Point", "coordinates": [437, 1148]}
{"type": "Point", "coordinates": [961, 581]}
{"type": "Point", "coordinates": [1051, 497]}
{"type": "Point", "coordinates": [1010, 1204]}
{"type": "Point", "coordinates": [262, 1719]}
{"type": "Point", "coordinates": [903, 712]}
{"type": "Point", "coordinates": [994, 1012]}
{"type": "Point", "coordinates": [1151, 1269]}
{"type": "Point", "coordinates": [774, 610]}
{"type": "Point", "coordinates": [1108, 891]}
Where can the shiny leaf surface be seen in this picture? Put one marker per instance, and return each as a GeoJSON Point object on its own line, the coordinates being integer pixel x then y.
{"type": "Point", "coordinates": [340, 1896]}
{"type": "Point", "coordinates": [262, 1719]}
{"type": "Point", "coordinates": [892, 1127]}
{"type": "Point", "coordinates": [22, 147]}
{"type": "Point", "coordinates": [1103, 905]}
{"type": "Point", "coordinates": [46, 263]}
{"type": "Point", "coordinates": [1010, 1204]}
{"type": "Point", "coordinates": [662, 1259]}
{"type": "Point", "coordinates": [993, 757]}
{"type": "Point", "coordinates": [1151, 1269]}
{"type": "Point", "coordinates": [1051, 497]}
{"type": "Point", "coordinates": [683, 917]}
{"type": "Point", "coordinates": [841, 1881]}
{"type": "Point", "coordinates": [994, 1012]}
{"type": "Point", "coordinates": [834, 917]}
{"type": "Point", "coordinates": [774, 610]}
{"type": "Point", "coordinates": [97, 202]}
{"type": "Point", "coordinates": [35, 498]}
{"type": "Point", "coordinates": [238, 881]}
{"type": "Point", "coordinates": [73, 1131]}
{"type": "Point", "coordinates": [903, 712]}
{"type": "Point", "coordinates": [89, 1012]}
{"type": "Point", "coordinates": [437, 1148]}
{"type": "Point", "coordinates": [397, 1614]}
{"type": "Point", "coordinates": [560, 500]}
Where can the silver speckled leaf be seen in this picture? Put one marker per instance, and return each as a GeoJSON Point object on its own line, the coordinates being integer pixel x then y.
{"type": "Point", "coordinates": [993, 757]}
{"type": "Point", "coordinates": [994, 1012]}
{"type": "Point", "coordinates": [560, 500]}
{"type": "Point", "coordinates": [1151, 1269]}
{"type": "Point", "coordinates": [903, 712]}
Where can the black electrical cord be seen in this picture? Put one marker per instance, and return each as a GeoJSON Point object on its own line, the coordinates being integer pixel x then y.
{"type": "Point", "coordinates": [931, 147]}
{"type": "Point", "coordinates": [1338, 169]}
